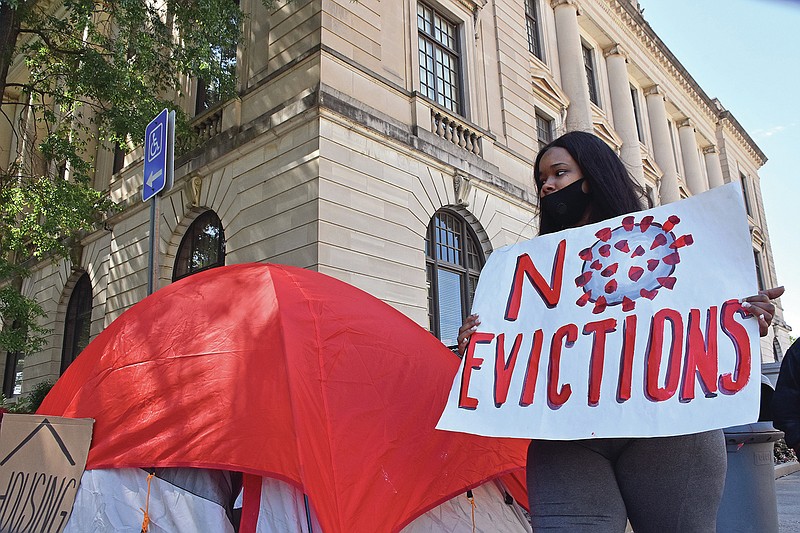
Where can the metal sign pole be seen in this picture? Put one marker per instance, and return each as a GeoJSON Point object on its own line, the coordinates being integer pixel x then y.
{"type": "Point", "coordinates": [152, 263]}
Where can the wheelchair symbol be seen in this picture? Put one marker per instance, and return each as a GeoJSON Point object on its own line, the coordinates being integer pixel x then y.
{"type": "Point", "coordinates": [155, 144]}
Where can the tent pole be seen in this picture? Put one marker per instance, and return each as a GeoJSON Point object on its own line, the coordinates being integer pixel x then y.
{"type": "Point", "coordinates": [308, 513]}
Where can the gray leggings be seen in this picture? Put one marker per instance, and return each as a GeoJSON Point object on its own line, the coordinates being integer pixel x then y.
{"type": "Point", "coordinates": [663, 484]}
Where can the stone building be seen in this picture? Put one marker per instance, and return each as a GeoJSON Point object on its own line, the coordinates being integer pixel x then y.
{"type": "Point", "coordinates": [390, 144]}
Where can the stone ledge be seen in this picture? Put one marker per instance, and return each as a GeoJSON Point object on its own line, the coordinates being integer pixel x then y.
{"type": "Point", "coordinates": [784, 469]}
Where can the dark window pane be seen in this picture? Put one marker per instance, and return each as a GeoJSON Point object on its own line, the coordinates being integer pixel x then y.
{"type": "Point", "coordinates": [202, 247]}
{"type": "Point", "coordinates": [78, 321]}
{"type": "Point", "coordinates": [591, 77]}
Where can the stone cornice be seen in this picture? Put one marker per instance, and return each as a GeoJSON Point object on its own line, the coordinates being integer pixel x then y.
{"type": "Point", "coordinates": [637, 27]}
{"type": "Point", "coordinates": [729, 123]}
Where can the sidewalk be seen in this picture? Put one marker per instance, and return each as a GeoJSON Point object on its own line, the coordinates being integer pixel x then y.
{"type": "Point", "coordinates": [787, 490]}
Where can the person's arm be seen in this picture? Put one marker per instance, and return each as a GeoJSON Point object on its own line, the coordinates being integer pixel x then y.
{"type": "Point", "coordinates": [786, 400]}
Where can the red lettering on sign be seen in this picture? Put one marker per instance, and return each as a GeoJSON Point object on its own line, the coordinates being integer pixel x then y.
{"type": "Point", "coordinates": [731, 383]}
{"type": "Point", "coordinates": [532, 370]}
{"type": "Point", "coordinates": [599, 329]}
{"type": "Point", "coordinates": [701, 355]}
{"type": "Point", "coordinates": [655, 352]}
{"type": "Point", "coordinates": [471, 363]}
{"type": "Point", "coordinates": [565, 336]}
{"type": "Point", "coordinates": [504, 368]}
{"type": "Point", "coordinates": [550, 293]}
{"type": "Point", "coordinates": [626, 359]}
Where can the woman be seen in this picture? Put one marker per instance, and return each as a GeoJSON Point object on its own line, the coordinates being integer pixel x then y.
{"type": "Point", "coordinates": [659, 484]}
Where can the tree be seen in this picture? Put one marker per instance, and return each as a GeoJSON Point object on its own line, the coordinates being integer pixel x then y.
{"type": "Point", "coordinates": [93, 71]}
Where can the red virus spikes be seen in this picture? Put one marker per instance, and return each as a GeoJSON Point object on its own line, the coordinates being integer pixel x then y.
{"type": "Point", "coordinates": [586, 254]}
{"type": "Point", "coordinates": [584, 298]}
{"type": "Point", "coordinates": [660, 240]}
{"type": "Point", "coordinates": [627, 304]}
{"type": "Point", "coordinates": [597, 265]}
{"type": "Point", "coordinates": [605, 250]}
{"type": "Point", "coordinates": [622, 246]}
{"type": "Point", "coordinates": [683, 240]}
{"type": "Point", "coordinates": [604, 234]}
{"type": "Point", "coordinates": [671, 222]}
{"type": "Point", "coordinates": [648, 294]}
{"type": "Point", "coordinates": [610, 270]}
{"type": "Point", "coordinates": [583, 279]}
{"type": "Point", "coordinates": [635, 273]}
{"type": "Point", "coordinates": [667, 282]}
{"type": "Point", "coordinates": [638, 251]}
{"type": "Point", "coordinates": [611, 286]}
{"type": "Point", "coordinates": [652, 264]}
{"type": "Point", "coordinates": [672, 259]}
{"type": "Point", "coordinates": [599, 305]}
{"type": "Point", "coordinates": [628, 223]}
{"type": "Point", "coordinates": [645, 223]}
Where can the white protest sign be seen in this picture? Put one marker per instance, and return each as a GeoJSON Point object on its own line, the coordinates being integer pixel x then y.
{"type": "Point", "coordinates": [631, 327]}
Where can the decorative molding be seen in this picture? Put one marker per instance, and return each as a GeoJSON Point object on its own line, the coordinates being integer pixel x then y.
{"type": "Point", "coordinates": [462, 186]}
{"type": "Point", "coordinates": [615, 50]}
{"type": "Point", "coordinates": [556, 3]}
{"type": "Point", "coordinates": [194, 187]}
{"type": "Point", "coordinates": [685, 123]}
{"type": "Point", "coordinates": [548, 90]}
{"type": "Point", "coordinates": [710, 149]}
{"type": "Point", "coordinates": [654, 90]}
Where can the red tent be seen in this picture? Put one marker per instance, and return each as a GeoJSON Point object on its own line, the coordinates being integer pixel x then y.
{"type": "Point", "coordinates": [283, 372]}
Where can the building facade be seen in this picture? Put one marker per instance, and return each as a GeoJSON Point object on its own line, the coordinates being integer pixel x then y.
{"type": "Point", "coordinates": [391, 145]}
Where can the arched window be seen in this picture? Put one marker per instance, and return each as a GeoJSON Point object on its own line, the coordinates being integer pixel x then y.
{"type": "Point", "coordinates": [454, 261]}
{"type": "Point", "coordinates": [202, 247]}
{"type": "Point", "coordinates": [77, 322]}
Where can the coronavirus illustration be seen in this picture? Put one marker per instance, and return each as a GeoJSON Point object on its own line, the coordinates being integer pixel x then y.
{"type": "Point", "coordinates": [632, 261]}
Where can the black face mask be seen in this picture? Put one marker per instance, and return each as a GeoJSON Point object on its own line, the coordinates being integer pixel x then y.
{"type": "Point", "coordinates": [566, 206]}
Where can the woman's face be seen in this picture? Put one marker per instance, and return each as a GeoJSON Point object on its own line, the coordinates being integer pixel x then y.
{"type": "Point", "coordinates": [557, 169]}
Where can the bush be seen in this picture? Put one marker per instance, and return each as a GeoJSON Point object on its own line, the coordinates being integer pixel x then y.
{"type": "Point", "coordinates": [783, 454]}
{"type": "Point", "coordinates": [31, 401]}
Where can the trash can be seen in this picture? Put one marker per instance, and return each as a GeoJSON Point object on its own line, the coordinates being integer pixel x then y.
{"type": "Point", "coordinates": [748, 501]}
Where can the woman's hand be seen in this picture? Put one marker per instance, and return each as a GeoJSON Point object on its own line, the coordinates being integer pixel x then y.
{"type": "Point", "coordinates": [466, 330]}
{"type": "Point", "coordinates": [760, 307]}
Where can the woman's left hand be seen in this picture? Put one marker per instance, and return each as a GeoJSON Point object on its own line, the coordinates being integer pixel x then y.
{"type": "Point", "coordinates": [762, 308]}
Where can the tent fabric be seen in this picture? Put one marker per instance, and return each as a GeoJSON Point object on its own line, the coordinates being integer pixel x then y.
{"type": "Point", "coordinates": [284, 372]}
{"type": "Point", "coordinates": [111, 501]}
{"type": "Point", "coordinates": [283, 510]}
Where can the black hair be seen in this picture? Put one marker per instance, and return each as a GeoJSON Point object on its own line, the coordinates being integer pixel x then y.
{"type": "Point", "coordinates": [613, 192]}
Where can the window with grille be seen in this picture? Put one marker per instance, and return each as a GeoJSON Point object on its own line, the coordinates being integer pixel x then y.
{"type": "Point", "coordinates": [454, 261]}
{"type": "Point", "coordinates": [544, 130]}
{"type": "Point", "coordinates": [202, 247]}
{"type": "Point", "coordinates": [439, 58]}
{"type": "Point", "coordinates": [533, 25]}
{"type": "Point", "coordinates": [591, 75]}
{"type": "Point", "coordinates": [78, 321]}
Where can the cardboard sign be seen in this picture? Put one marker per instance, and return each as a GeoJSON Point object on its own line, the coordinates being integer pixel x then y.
{"type": "Point", "coordinates": [41, 462]}
{"type": "Point", "coordinates": [631, 327]}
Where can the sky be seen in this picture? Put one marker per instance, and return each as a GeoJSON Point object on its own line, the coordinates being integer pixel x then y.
{"type": "Point", "coordinates": [746, 53]}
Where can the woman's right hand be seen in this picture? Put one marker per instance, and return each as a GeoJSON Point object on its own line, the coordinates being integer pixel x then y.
{"type": "Point", "coordinates": [466, 330]}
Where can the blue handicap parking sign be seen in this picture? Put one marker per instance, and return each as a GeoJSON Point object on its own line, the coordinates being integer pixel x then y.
{"type": "Point", "coordinates": [156, 148]}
